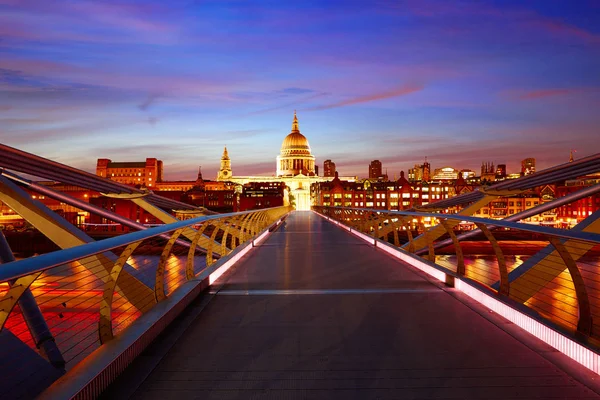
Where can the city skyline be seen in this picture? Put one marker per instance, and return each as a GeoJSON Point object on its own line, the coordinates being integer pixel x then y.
{"type": "Point", "coordinates": [460, 83]}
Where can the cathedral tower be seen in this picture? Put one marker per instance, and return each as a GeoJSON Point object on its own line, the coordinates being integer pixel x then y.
{"type": "Point", "coordinates": [225, 170]}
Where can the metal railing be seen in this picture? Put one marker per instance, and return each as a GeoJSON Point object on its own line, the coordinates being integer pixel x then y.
{"type": "Point", "coordinates": [90, 293]}
{"type": "Point", "coordinates": [553, 272]}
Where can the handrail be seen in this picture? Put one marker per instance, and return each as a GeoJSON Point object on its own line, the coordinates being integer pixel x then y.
{"type": "Point", "coordinates": [17, 269]}
{"type": "Point", "coordinates": [89, 294]}
{"type": "Point", "coordinates": [558, 282]}
{"type": "Point", "coordinates": [543, 230]}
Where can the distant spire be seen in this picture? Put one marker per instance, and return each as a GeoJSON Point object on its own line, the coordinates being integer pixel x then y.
{"type": "Point", "coordinates": [295, 127]}
{"type": "Point", "coordinates": [571, 158]}
{"type": "Point", "coordinates": [199, 179]}
{"type": "Point", "coordinates": [225, 154]}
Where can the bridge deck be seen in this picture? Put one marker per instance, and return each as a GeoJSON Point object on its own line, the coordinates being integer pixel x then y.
{"type": "Point", "coordinates": [317, 313]}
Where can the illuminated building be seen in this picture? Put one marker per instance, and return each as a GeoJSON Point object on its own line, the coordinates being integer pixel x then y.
{"type": "Point", "coordinates": [571, 214]}
{"type": "Point", "coordinates": [225, 170]}
{"type": "Point", "coordinates": [383, 195]}
{"type": "Point", "coordinates": [214, 195]}
{"type": "Point", "coordinates": [488, 172]}
{"type": "Point", "coordinates": [528, 166]}
{"type": "Point", "coordinates": [295, 167]}
{"type": "Point", "coordinates": [467, 173]}
{"type": "Point", "coordinates": [445, 174]}
{"type": "Point", "coordinates": [257, 195]}
{"type": "Point", "coordinates": [328, 168]}
{"type": "Point", "coordinates": [421, 172]}
{"type": "Point", "coordinates": [131, 173]}
{"type": "Point", "coordinates": [501, 171]}
{"type": "Point", "coordinates": [375, 170]}
{"type": "Point", "coordinates": [295, 158]}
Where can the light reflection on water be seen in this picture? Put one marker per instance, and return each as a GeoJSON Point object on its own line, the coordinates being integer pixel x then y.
{"type": "Point", "coordinates": [482, 268]}
{"type": "Point", "coordinates": [70, 297]}
{"type": "Point", "coordinates": [556, 299]}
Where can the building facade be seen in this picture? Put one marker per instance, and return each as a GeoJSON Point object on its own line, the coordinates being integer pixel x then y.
{"type": "Point", "coordinates": [375, 170]}
{"type": "Point", "coordinates": [528, 166]}
{"type": "Point", "coordinates": [140, 173]}
{"type": "Point", "coordinates": [256, 195]}
{"type": "Point", "coordinates": [328, 168]}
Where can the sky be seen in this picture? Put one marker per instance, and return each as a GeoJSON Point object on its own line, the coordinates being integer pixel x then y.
{"type": "Point", "coordinates": [458, 82]}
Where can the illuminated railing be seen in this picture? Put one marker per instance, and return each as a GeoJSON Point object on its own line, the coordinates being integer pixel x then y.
{"type": "Point", "coordinates": [90, 294]}
{"type": "Point", "coordinates": [553, 272]}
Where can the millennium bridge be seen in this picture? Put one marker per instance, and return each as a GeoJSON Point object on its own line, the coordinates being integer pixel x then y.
{"type": "Point", "coordinates": [276, 303]}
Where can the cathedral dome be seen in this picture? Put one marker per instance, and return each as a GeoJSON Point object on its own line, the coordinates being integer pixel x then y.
{"type": "Point", "coordinates": [295, 144]}
{"type": "Point", "coordinates": [295, 157]}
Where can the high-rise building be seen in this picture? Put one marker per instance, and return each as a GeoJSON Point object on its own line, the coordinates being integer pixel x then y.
{"type": "Point", "coordinates": [375, 170]}
{"type": "Point", "coordinates": [426, 171]}
{"type": "Point", "coordinates": [421, 172]}
{"type": "Point", "coordinates": [328, 168]}
{"type": "Point", "coordinates": [144, 173]}
{"type": "Point", "coordinates": [528, 166]}
{"type": "Point", "coordinates": [501, 171]}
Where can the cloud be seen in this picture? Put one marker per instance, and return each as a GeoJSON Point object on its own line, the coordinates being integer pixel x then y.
{"type": "Point", "coordinates": [563, 29]}
{"type": "Point", "coordinates": [368, 98]}
{"type": "Point", "coordinates": [538, 94]}
{"type": "Point", "coordinates": [549, 92]}
{"type": "Point", "coordinates": [294, 90]}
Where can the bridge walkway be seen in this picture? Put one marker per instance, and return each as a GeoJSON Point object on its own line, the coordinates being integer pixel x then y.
{"type": "Point", "coordinates": [317, 313]}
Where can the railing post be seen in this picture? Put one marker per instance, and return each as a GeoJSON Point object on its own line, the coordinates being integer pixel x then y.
{"type": "Point", "coordinates": [411, 243]}
{"type": "Point", "coordinates": [584, 322]}
{"type": "Point", "coordinates": [159, 283]}
{"type": "Point", "coordinates": [376, 229]}
{"type": "Point", "coordinates": [504, 282]}
{"type": "Point", "coordinates": [189, 266]}
{"type": "Point", "coordinates": [105, 331]}
{"type": "Point", "coordinates": [460, 261]}
{"type": "Point", "coordinates": [430, 248]}
{"type": "Point", "coordinates": [36, 323]}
